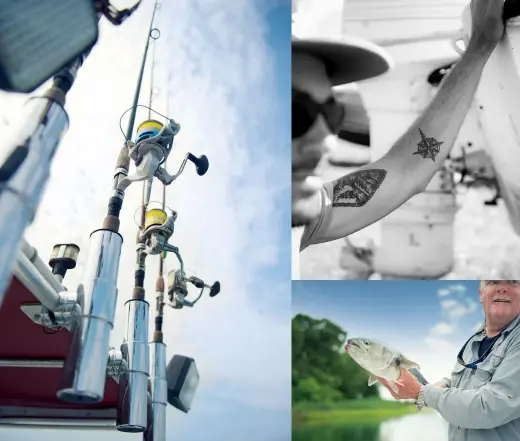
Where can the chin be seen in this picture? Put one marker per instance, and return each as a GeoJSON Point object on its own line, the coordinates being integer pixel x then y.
{"type": "Point", "coordinates": [299, 219]}
{"type": "Point", "coordinates": [303, 213]}
{"type": "Point", "coordinates": [507, 314]}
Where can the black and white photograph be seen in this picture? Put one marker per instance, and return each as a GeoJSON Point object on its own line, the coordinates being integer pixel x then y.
{"type": "Point", "coordinates": [405, 139]}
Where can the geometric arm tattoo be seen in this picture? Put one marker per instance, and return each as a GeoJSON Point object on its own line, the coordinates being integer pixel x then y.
{"type": "Point", "coordinates": [356, 189]}
{"type": "Point", "coordinates": [428, 147]}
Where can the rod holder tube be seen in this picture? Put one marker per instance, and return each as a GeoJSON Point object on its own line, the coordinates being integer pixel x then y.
{"type": "Point", "coordinates": [38, 137]}
{"type": "Point", "coordinates": [159, 391]}
{"type": "Point", "coordinates": [132, 412]}
{"type": "Point", "coordinates": [86, 364]}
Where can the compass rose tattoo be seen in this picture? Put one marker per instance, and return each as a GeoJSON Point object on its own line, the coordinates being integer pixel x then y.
{"type": "Point", "coordinates": [356, 189]}
{"type": "Point", "coordinates": [428, 147]}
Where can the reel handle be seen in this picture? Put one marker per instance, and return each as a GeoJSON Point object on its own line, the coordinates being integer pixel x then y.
{"type": "Point", "coordinates": [215, 289]}
{"type": "Point", "coordinates": [199, 283]}
{"type": "Point", "coordinates": [201, 163]}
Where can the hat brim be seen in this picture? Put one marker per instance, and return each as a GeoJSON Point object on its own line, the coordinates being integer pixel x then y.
{"type": "Point", "coordinates": [348, 60]}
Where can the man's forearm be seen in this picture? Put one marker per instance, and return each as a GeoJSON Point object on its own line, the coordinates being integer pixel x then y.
{"type": "Point", "coordinates": [445, 382]}
{"type": "Point", "coordinates": [421, 151]}
{"type": "Point", "coordinates": [482, 408]}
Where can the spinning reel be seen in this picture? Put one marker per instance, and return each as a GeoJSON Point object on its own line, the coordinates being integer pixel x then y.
{"type": "Point", "coordinates": [153, 145]}
{"type": "Point", "coordinates": [178, 291]}
{"type": "Point", "coordinates": [158, 228]}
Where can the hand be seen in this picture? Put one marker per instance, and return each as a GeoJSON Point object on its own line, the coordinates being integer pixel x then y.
{"type": "Point", "coordinates": [487, 24]}
{"type": "Point", "coordinates": [409, 387]}
{"type": "Point", "coordinates": [306, 186]}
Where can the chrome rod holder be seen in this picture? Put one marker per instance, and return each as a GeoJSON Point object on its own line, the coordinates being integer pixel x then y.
{"type": "Point", "coordinates": [159, 392]}
{"type": "Point", "coordinates": [132, 405]}
{"type": "Point", "coordinates": [25, 163]}
{"type": "Point", "coordinates": [86, 363]}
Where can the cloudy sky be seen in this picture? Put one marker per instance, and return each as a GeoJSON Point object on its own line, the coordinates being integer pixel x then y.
{"type": "Point", "coordinates": [428, 321]}
{"type": "Point", "coordinates": [228, 64]}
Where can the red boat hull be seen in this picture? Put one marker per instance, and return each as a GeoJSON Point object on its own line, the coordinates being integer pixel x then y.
{"type": "Point", "coordinates": [30, 392]}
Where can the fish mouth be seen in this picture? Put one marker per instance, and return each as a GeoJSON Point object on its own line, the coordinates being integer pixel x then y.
{"type": "Point", "coordinates": [353, 344]}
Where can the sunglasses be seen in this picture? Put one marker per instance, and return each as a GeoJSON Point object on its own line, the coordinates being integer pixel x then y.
{"type": "Point", "coordinates": [305, 111]}
{"type": "Point", "coordinates": [494, 282]}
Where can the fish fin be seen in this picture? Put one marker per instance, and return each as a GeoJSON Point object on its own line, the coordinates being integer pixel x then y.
{"type": "Point", "coordinates": [372, 380]}
{"type": "Point", "coordinates": [406, 363]}
{"type": "Point", "coordinates": [392, 385]}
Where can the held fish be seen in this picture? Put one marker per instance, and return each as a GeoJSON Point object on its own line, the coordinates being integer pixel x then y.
{"type": "Point", "coordinates": [380, 360]}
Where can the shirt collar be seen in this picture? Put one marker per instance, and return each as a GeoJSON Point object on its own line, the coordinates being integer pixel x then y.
{"type": "Point", "coordinates": [482, 332]}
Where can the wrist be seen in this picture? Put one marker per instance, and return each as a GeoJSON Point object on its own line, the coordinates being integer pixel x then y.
{"type": "Point", "coordinates": [419, 402]}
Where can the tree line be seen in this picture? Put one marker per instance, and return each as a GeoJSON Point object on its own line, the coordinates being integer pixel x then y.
{"type": "Point", "coordinates": [322, 372]}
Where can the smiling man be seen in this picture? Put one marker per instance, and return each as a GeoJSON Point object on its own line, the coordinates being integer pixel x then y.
{"type": "Point", "coordinates": [481, 399]}
{"type": "Point", "coordinates": [330, 211]}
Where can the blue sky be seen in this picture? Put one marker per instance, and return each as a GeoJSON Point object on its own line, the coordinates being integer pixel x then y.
{"type": "Point", "coordinates": [426, 320]}
{"type": "Point", "coordinates": [229, 90]}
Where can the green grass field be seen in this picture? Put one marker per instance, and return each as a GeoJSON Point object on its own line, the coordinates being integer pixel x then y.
{"type": "Point", "coordinates": [366, 410]}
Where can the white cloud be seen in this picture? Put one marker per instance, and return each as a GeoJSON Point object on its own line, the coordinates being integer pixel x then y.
{"type": "Point", "coordinates": [456, 305]}
{"type": "Point", "coordinates": [440, 345]}
{"type": "Point", "coordinates": [227, 226]}
{"type": "Point", "coordinates": [456, 309]}
{"type": "Point", "coordinates": [451, 289]}
{"type": "Point", "coordinates": [441, 328]}
{"type": "Point", "coordinates": [449, 304]}
{"type": "Point", "coordinates": [458, 288]}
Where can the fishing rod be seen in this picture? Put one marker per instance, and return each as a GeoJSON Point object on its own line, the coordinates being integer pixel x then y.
{"type": "Point", "coordinates": [86, 362]}
{"type": "Point", "coordinates": [156, 431]}
{"type": "Point", "coordinates": [26, 158]}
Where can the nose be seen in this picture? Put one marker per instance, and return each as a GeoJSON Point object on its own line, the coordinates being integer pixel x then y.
{"type": "Point", "coordinates": [502, 287]}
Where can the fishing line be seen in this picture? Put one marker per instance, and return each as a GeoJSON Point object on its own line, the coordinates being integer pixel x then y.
{"type": "Point", "coordinates": [131, 108]}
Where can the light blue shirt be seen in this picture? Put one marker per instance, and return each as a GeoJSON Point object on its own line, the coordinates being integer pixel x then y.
{"type": "Point", "coordinates": [483, 404]}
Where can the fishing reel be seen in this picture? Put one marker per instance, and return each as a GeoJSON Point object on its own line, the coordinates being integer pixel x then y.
{"type": "Point", "coordinates": [150, 150]}
{"type": "Point", "coordinates": [178, 291]}
{"type": "Point", "coordinates": [158, 228]}
{"type": "Point", "coordinates": [153, 145]}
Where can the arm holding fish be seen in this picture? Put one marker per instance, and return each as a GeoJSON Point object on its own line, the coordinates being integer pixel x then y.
{"type": "Point", "coordinates": [494, 404]}
{"type": "Point", "coordinates": [359, 199]}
